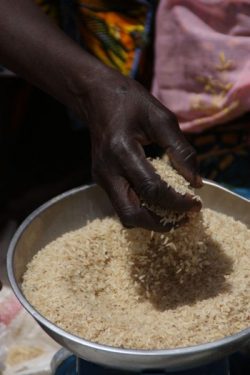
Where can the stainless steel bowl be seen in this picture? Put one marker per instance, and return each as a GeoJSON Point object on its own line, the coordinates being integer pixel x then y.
{"type": "Point", "coordinates": [70, 211]}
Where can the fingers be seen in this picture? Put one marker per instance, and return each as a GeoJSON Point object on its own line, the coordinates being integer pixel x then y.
{"type": "Point", "coordinates": [128, 207]}
{"type": "Point", "coordinates": [147, 183]}
{"type": "Point", "coordinates": [165, 131]}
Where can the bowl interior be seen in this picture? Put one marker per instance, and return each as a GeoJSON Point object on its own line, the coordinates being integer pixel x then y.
{"type": "Point", "coordinates": [71, 211]}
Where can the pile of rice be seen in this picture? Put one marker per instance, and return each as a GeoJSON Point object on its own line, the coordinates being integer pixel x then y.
{"type": "Point", "coordinates": [137, 289]}
{"type": "Point", "coordinates": [175, 181]}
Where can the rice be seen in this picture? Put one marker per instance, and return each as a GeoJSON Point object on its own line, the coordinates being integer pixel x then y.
{"type": "Point", "coordinates": [175, 181]}
{"type": "Point", "coordinates": [170, 175]}
{"type": "Point", "coordinates": [144, 290]}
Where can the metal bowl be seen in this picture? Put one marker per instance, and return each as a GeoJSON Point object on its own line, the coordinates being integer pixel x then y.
{"type": "Point", "coordinates": [70, 211]}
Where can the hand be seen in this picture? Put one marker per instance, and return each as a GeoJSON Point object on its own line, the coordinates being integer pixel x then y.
{"type": "Point", "coordinates": [123, 117]}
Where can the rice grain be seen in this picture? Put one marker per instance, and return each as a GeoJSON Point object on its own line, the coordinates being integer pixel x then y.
{"type": "Point", "coordinates": [175, 181]}
{"type": "Point", "coordinates": [132, 289]}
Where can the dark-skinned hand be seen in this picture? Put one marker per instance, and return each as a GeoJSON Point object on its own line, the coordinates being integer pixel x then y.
{"type": "Point", "coordinates": [123, 117]}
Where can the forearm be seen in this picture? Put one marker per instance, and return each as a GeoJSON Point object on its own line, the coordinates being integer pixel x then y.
{"type": "Point", "coordinates": [121, 114]}
{"type": "Point", "coordinates": [36, 49]}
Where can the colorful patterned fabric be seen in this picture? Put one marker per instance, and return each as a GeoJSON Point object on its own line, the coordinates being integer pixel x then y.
{"type": "Point", "coordinates": [224, 155]}
{"type": "Point", "coordinates": [114, 31]}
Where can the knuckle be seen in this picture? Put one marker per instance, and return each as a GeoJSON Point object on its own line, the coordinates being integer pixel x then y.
{"type": "Point", "coordinates": [189, 154]}
{"type": "Point", "coordinates": [162, 117]}
{"type": "Point", "coordinates": [127, 217]}
{"type": "Point", "coordinates": [116, 146]}
{"type": "Point", "coordinates": [151, 189]}
{"type": "Point", "coordinates": [177, 145]}
{"type": "Point", "coordinates": [166, 116]}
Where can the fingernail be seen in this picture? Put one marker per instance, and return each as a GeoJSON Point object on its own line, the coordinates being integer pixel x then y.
{"type": "Point", "coordinates": [198, 181]}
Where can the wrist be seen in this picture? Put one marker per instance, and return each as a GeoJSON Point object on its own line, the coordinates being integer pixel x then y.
{"type": "Point", "coordinates": [88, 79]}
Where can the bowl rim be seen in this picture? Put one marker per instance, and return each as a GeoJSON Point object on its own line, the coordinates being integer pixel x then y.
{"type": "Point", "coordinates": [48, 325]}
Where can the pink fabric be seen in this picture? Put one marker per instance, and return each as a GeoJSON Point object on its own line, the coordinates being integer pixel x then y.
{"type": "Point", "coordinates": [202, 66]}
{"type": "Point", "coordinates": [9, 308]}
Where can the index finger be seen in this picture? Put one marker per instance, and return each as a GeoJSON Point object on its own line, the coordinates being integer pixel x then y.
{"type": "Point", "coordinates": [165, 131]}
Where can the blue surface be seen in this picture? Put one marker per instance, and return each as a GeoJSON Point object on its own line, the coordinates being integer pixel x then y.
{"type": "Point", "coordinates": [244, 192]}
{"type": "Point", "coordinates": [237, 364]}
{"type": "Point", "coordinates": [218, 368]}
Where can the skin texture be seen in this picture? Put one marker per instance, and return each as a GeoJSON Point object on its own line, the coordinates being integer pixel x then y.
{"type": "Point", "coordinates": [122, 116]}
